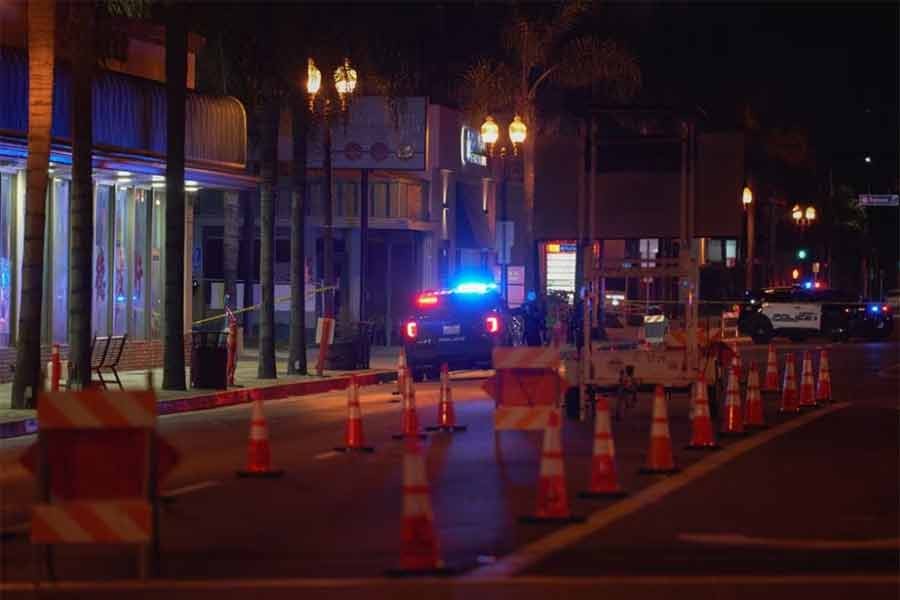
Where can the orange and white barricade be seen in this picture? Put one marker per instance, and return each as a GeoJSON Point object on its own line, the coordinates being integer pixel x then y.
{"type": "Point", "coordinates": [525, 386]}
{"type": "Point", "coordinates": [90, 503]}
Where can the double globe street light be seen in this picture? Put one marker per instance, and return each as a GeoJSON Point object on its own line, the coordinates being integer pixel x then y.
{"type": "Point", "coordinates": [490, 135]}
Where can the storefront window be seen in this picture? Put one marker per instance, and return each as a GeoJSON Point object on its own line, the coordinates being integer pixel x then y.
{"type": "Point", "coordinates": [100, 320]}
{"type": "Point", "coordinates": [6, 257]}
{"type": "Point", "coordinates": [156, 263]}
{"type": "Point", "coordinates": [120, 266]}
{"type": "Point", "coordinates": [137, 328]}
{"type": "Point", "coordinates": [398, 200]}
{"type": "Point", "coordinates": [59, 244]}
{"type": "Point", "coordinates": [378, 199]}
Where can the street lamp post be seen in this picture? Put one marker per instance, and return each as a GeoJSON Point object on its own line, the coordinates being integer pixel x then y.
{"type": "Point", "coordinates": [803, 217]}
{"type": "Point", "coordinates": [750, 210]}
{"type": "Point", "coordinates": [490, 134]}
{"type": "Point", "coordinates": [345, 79]}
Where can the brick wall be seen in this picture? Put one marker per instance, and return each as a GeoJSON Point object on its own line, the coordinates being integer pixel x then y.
{"type": "Point", "coordinates": [138, 354]}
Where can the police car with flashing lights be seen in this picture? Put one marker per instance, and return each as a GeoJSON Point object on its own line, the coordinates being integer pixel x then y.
{"type": "Point", "coordinates": [458, 326]}
{"type": "Point", "coordinates": [799, 312]}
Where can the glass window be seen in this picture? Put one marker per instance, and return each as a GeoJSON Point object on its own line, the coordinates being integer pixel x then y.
{"type": "Point", "coordinates": [120, 266]}
{"type": "Point", "coordinates": [156, 263]}
{"type": "Point", "coordinates": [6, 257]}
{"type": "Point", "coordinates": [140, 210]}
{"type": "Point", "coordinates": [378, 199]}
{"type": "Point", "coordinates": [59, 243]}
{"type": "Point", "coordinates": [100, 319]}
{"type": "Point", "coordinates": [398, 200]}
{"type": "Point", "coordinates": [714, 251]}
{"type": "Point", "coordinates": [730, 253]}
{"type": "Point", "coordinates": [649, 249]}
{"type": "Point", "coordinates": [345, 199]}
{"type": "Point", "coordinates": [414, 198]}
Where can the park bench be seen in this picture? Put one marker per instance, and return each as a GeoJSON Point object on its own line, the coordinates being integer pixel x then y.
{"type": "Point", "coordinates": [106, 352]}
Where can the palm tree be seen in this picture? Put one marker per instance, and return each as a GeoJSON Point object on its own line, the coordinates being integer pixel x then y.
{"type": "Point", "coordinates": [176, 98]}
{"type": "Point", "coordinates": [41, 38]}
{"type": "Point", "coordinates": [541, 52]}
{"type": "Point", "coordinates": [268, 121]}
{"type": "Point", "coordinates": [81, 206]}
{"type": "Point", "coordinates": [297, 339]}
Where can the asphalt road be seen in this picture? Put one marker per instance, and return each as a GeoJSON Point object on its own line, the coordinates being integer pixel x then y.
{"type": "Point", "coordinates": [813, 508]}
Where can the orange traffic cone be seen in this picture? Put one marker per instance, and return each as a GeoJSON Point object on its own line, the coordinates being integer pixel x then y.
{"type": "Point", "coordinates": [446, 412]}
{"type": "Point", "coordinates": [552, 499]}
{"type": "Point", "coordinates": [660, 459]}
{"type": "Point", "coordinates": [807, 386]}
{"type": "Point", "coordinates": [353, 435]}
{"type": "Point", "coordinates": [409, 420]}
{"type": "Point", "coordinates": [733, 419]}
{"type": "Point", "coordinates": [701, 425]}
{"type": "Point", "coordinates": [736, 364]}
{"type": "Point", "coordinates": [823, 388]}
{"type": "Point", "coordinates": [754, 417]}
{"type": "Point", "coordinates": [789, 402]}
{"type": "Point", "coordinates": [259, 453]}
{"type": "Point", "coordinates": [419, 549]}
{"type": "Point", "coordinates": [402, 374]}
{"type": "Point", "coordinates": [771, 383]}
{"type": "Point", "coordinates": [604, 481]}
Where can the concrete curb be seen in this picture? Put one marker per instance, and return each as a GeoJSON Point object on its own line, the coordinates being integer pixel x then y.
{"type": "Point", "coordinates": [231, 397]}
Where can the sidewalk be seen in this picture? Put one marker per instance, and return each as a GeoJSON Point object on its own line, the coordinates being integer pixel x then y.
{"type": "Point", "coordinates": [247, 387]}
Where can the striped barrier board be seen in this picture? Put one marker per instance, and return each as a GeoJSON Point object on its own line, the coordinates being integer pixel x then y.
{"type": "Point", "coordinates": [526, 357]}
{"type": "Point", "coordinates": [519, 418]}
{"type": "Point", "coordinates": [92, 522]}
{"type": "Point", "coordinates": [96, 409]}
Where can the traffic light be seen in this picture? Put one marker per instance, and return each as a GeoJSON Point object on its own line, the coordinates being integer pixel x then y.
{"type": "Point", "coordinates": [802, 253]}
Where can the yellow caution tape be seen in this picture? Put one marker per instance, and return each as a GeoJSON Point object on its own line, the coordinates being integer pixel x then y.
{"type": "Point", "coordinates": [256, 306]}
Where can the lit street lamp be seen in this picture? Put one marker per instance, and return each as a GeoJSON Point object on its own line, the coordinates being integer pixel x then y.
{"type": "Point", "coordinates": [345, 79]}
{"type": "Point", "coordinates": [803, 217]}
{"type": "Point", "coordinates": [749, 209]}
{"type": "Point", "coordinates": [490, 135]}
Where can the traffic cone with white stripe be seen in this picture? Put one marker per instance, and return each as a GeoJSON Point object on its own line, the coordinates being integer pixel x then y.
{"type": "Point", "coordinates": [259, 452]}
{"type": "Point", "coordinates": [701, 425]}
{"type": "Point", "coordinates": [823, 387]}
{"type": "Point", "coordinates": [604, 481]}
{"type": "Point", "coordinates": [446, 412]}
{"type": "Point", "coordinates": [552, 499]}
{"type": "Point", "coordinates": [807, 386]}
{"type": "Point", "coordinates": [419, 548]}
{"type": "Point", "coordinates": [409, 420]}
{"type": "Point", "coordinates": [353, 434]}
{"type": "Point", "coordinates": [736, 364]}
{"type": "Point", "coordinates": [733, 419]}
{"type": "Point", "coordinates": [789, 402]}
{"type": "Point", "coordinates": [771, 383]}
{"type": "Point", "coordinates": [754, 418]}
{"type": "Point", "coordinates": [402, 374]}
{"type": "Point", "coordinates": [660, 459]}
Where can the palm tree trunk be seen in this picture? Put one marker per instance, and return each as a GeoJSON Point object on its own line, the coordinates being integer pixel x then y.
{"type": "Point", "coordinates": [231, 246]}
{"type": "Point", "coordinates": [81, 206]}
{"type": "Point", "coordinates": [328, 215]}
{"type": "Point", "coordinates": [269, 174]}
{"type": "Point", "coordinates": [176, 78]}
{"type": "Point", "coordinates": [41, 34]}
{"type": "Point", "coordinates": [297, 341]}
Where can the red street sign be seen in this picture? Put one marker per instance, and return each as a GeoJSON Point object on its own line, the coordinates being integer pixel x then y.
{"type": "Point", "coordinates": [99, 463]}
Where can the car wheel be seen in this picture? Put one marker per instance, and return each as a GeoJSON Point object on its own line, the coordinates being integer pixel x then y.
{"type": "Point", "coordinates": [762, 333]}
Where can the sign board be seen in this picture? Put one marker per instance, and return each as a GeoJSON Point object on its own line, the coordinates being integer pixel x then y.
{"type": "Point", "coordinates": [879, 200]}
{"type": "Point", "coordinates": [816, 266]}
{"type": "Point", "coordinates": [379, 133]}
{"type": "Point", "coordinates": [327, 325]}
{"type": "Point", "coordinates": [667, 367]}
{"type": "Point", "coordinates": [472, 148]}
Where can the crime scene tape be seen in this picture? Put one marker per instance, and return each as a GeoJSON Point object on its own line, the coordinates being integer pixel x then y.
{"type": "Point", "coordinates": [256, 306]}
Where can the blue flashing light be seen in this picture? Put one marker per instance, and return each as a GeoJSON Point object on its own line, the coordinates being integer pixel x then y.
{"type": "Point", "coordinates": [873, 309]}
{"type": "Point", "coordinates": [474, 287]}
{"type": "Point", "coordinates": [808, 285]}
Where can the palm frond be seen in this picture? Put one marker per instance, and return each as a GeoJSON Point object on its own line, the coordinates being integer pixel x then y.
{"type": "Point", "coordinates": [587, 60]}
{"type": "Point", "coordinates": [487, 86]}
{"type": "Point", "coordinates": [569, 14]}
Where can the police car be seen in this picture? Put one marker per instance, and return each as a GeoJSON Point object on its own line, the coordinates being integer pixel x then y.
{"type": "Point", "coordinates": [799, 312]}
{"type": "Point", "coordinates": [458, 326]}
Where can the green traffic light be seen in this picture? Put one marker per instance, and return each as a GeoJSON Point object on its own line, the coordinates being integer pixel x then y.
{"type": "Point", "coordinates": [801, 254]}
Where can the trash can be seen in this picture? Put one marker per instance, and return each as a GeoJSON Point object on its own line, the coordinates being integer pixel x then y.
{"type": "Point", "coordinates": [209, 360]}
{"type": "Point", "coordinates": [364, 344]}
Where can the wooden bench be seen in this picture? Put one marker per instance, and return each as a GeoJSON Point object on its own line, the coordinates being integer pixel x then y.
{"type": "Point", "coordinates": [106, 352]}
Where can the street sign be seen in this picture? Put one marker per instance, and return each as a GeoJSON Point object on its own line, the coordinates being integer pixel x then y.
{"type": "Point", "coordinates": [816, 266]}
{"type": "Point", "coordinates": [879, 200]}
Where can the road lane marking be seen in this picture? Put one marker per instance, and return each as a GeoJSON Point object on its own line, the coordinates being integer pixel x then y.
{"type": "Point", "coordinates": [325, 455]}
{"type": "Point", "coordinates": [536, 551]}
{"type": "Point", "coordinates": [443, 583]}
{"type": "Point", "coordinates": [187, 489]}
{"type": "Point", "coordinates": [736, 539]}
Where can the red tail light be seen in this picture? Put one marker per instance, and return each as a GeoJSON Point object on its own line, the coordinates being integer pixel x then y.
{"type": "Point", "coordinates": [426, 300]}
{"type": "Point", "coordinates": [411, 329]}
{"type": "Point", "coordinates": [492, 324]}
